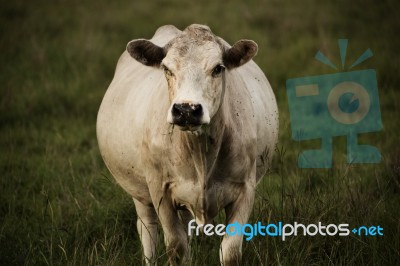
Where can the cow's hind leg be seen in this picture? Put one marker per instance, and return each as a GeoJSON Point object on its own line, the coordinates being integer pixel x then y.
{"type": "Point", "coordinates": [147, 229]}
{"type": "Point", "coordinates": [175, 237]}
{"type": "Point", "coordinates": [237, 212]}
{"type": "Point", "coordinates": [186, 217]}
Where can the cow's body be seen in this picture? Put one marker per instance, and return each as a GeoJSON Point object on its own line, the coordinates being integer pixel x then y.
{"type": "Point", "coordinates": [165, 169]}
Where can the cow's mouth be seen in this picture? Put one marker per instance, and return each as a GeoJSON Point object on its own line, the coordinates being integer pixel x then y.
{"type": "Point", "coordinates": [189, 127]}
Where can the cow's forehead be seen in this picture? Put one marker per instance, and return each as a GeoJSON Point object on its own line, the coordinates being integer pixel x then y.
{"type": "Point", "coordinates": [196, 42]}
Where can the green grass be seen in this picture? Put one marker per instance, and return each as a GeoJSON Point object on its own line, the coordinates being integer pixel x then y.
{"type": "Point", "coordinates": [60, 206]}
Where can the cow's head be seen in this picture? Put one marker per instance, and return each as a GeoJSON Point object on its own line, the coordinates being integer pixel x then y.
{"type": "Point", "coordinates": [194, 64]}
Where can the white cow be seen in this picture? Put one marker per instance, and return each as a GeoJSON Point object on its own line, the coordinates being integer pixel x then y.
{"type": "Point", "coordinates": [188, 127]}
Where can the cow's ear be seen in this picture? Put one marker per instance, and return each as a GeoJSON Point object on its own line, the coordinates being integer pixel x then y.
{"type": "Point", "coordinates": [146, 52]}
{"type": "Point", "coordinates": [240, 53]}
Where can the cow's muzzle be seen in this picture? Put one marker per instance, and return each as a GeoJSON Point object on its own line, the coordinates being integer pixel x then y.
{"type": "Point", "coordinates": [187, 115]}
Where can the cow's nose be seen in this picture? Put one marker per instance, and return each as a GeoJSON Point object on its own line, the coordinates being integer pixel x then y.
{"type": "Point", "coordinates": [187, 114]}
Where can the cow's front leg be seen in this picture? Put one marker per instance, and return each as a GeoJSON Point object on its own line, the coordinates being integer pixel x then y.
{"type": "Point", "coordinates": [175, 237]}
{"type": "Point", "coordinates": [147, 229]}
{"type": "Point", "coordinates": [239, 211]}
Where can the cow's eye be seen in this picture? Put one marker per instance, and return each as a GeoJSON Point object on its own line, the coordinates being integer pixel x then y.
{"type": "Point", "coordinates": [217, 70]}
{"type": "Point", "coordinates": [167, 72]}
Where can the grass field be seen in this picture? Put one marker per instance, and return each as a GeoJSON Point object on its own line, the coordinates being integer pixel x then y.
{"type": "Point", "coordinates": [60, 206]}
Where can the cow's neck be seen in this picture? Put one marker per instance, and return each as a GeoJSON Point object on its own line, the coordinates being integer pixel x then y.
{"type": "Point", "coordinates": [203, 149]}
{"type": "Point", "coordinates": [200, 154]}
